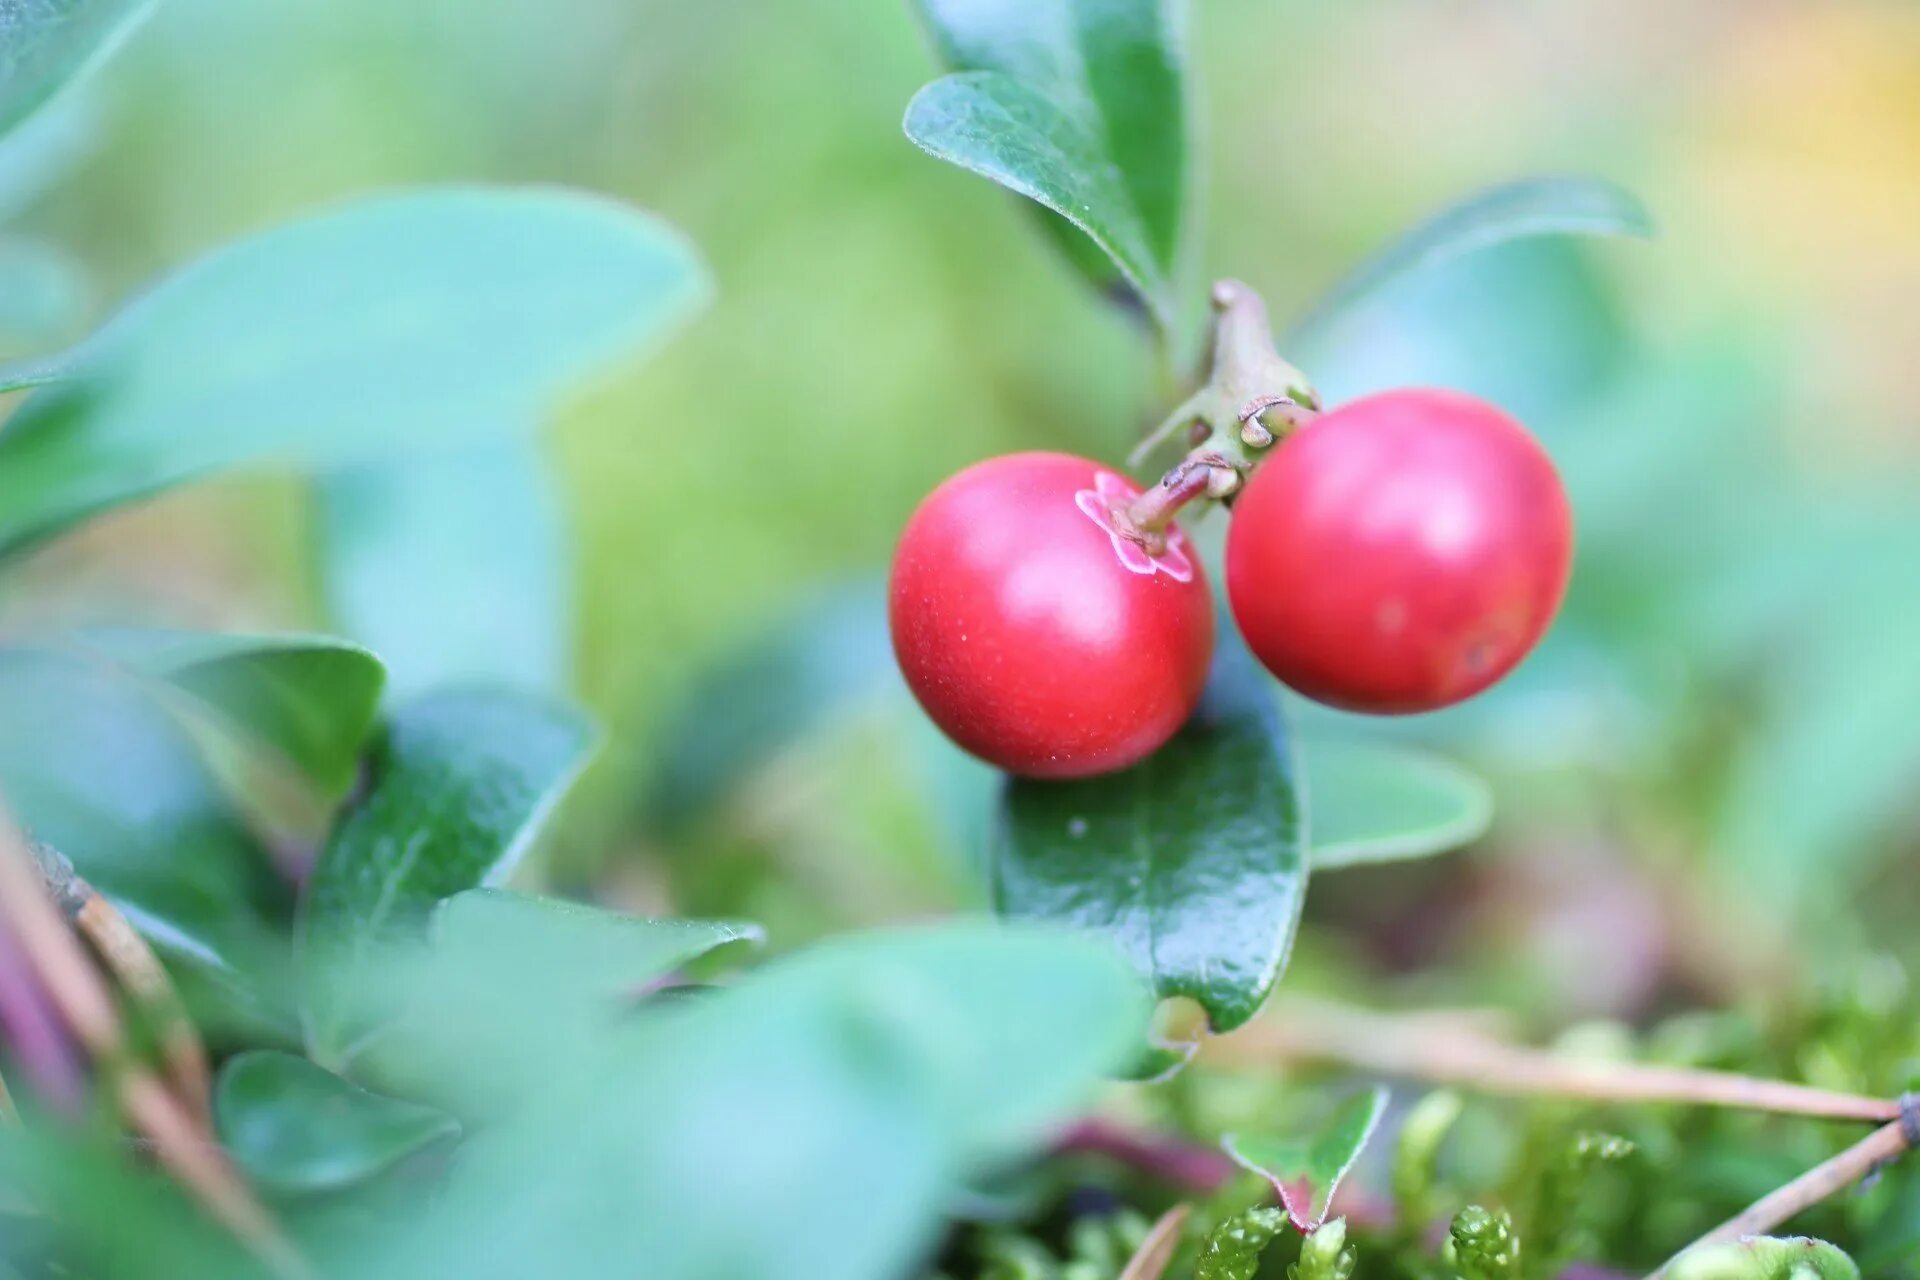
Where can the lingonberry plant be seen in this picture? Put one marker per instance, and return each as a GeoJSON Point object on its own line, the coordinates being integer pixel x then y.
{"type": "Point", "coordinates": [268, 1005]}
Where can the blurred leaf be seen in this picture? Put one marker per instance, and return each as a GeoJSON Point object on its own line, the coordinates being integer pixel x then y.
{"type": "Point", "coordinates": [1764, 1258]}
{"type": "Point", "coordinates": [1014, 133]}
{"type": "Point", "coordinates": [1529, 207]}
{"type": "Point", "coordinates": [297, 1129]}
{"type": "Point", "coordinates": [45, 43]}
{"type": "Point", "coordinates": [1119, 68]}
{"type": "Point", "coordinates": [1306, 1170]}
{"type": "Point", "coordinates": [44, 149]}
{"type": "Point", "coordinates": [394, 326]}
{"type": "Point", "coordinates": [94, 767]}
{"type": "Point", "coordinates": [719, 1138]}
{"type": "Point", "coordinates": [458, 790]}
{"type": "Point", "coordinates": [1193, 861]}
{"type": "Point", "coordinates": [478, 537]}
{"type": "Point", "coordinates": [448, 1043]}
{"type": "Point", "coordinates": [757, 700]}
{"type": "Point", "coordinates": [306, 702]}
{"type": "Point", "coordinates": [1372, 802]}
{"type": "Point", "coordinates": [43, 296]}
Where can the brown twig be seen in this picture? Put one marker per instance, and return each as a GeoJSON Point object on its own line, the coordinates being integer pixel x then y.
{"type": "Point", "coordinates": [80, 994]}
{"type": "Point", "coordinates": [1196, 1169]}
{"type": "Point", "coordinates": [1887, 1143]}
{"type": "Point", "coordinates": [1150, 1260]}
{"type": "Point", "coordinates": [1421, 1047]}
{"type": "Point", "coordinates": [139, 973]}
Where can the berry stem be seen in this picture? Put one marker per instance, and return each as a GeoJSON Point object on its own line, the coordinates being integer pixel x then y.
{"type": "Point", "coordinates": [1202, 473]}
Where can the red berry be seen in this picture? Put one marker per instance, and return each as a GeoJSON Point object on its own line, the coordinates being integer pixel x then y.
{"type": "Point", "coordinates": [1036, 636]}
{"type": "Point", "coordinates": [1400, 553]}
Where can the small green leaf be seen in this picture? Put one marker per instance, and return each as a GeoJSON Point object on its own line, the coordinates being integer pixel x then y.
{"type": "Point", "coordinates": [1193, 861]}
{"type": "Point", "coordinates": [1485, 1245]}
{"type": "Point", "coordinates": [1117, 65]}
{"type": "Point", "coordinates": [476, 536]}
{"type": "Point", "coordinates": [458, 790]}
{"type": "Point", "coordinates": [1373, 802]}
{"type": "Point", "coordinates": [297, 1129]}
{"type": "Point", "coordinates": [308, 702]}
{"type": "Point", "coordinates": [1764, 1258]}
{"type": "Point", "coordinates": [1232, 1249]}
{"type": "Point", "coordinates": [46, 43]}
{"type": "Point", "coordinates": [1416, 1154]}
{"type": "Point", "coordinates": [393, 327]}
{"type": "Point", "coordinates": [991, 124]}
{"type": "Point", "coordinates": [1529, 207]}
{"type": "Point", "coordinates": [1307, 1170]}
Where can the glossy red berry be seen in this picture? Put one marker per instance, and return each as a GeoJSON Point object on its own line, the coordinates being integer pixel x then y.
{"type": "Point", "coordinates": [1036, 635]}
{"type": "Point", "coordinates": [1400, 553]}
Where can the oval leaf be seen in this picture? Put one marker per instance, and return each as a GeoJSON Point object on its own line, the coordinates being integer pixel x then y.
{"type": "Point", "coordinates": [45, 43]}
{"type": "Point", "coordinates": [1529, 207]}
{"type": "Point", "coordinates": [1193, 861]}
{"type": "Point", "coordinates": [1306, 1170]}
{"type": "Point", "coordinates": [394, 326]}
{"type": "Point", "coordinates": [300, 705]}
{"type": "Point", "coordinates": [297, 1129]}
{"type": "Point", "coordinates": [1007, 130]}
{"type": "Point", "coordinates": [1121, 68]}
{"type": "Point", "coordinates": [457, 791]}
{"type": "Point", "coordinates": [1377, 803]}
{"type": "Point", "coordinates": [1764, 1258]}
{"type": "Point", "coordinates": [480, 537]}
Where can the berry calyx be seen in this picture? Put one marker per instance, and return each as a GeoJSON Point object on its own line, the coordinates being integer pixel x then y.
{"type": "Point", "coordinates": [1400, 553]}
{"type": "Point", "coordinates": [1038, 627]}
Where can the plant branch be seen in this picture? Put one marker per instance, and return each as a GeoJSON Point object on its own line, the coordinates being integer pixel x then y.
{"type": "Point", "coordinates": [1887, 1143]}
{"type": "Point", "coordinates": [1155, 1254]}
{"type": "Point", "coordinates": [138, 972]}
{"type": "Point", "coordinates": [1199, 1170]}
{"type": "Point", "coordinates": [83, 999]}
{"type": "Point", "coordinates": [1422, 1047]}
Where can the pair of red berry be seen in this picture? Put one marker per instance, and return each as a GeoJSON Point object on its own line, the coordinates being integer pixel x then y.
{"type": "Point", "coordinates": [1398, 554]}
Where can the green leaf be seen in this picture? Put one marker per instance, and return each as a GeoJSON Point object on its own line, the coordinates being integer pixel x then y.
{"type": "Point", "coordinates": [95, 767]}
{"type": "Point", "coordinates": [458, 789]}
{"type": "Point", "coordinates": [1119, 67]}
{"type": "Point", "coordinates": [45, 43]}
{"type": "Point", "coordinates": [297, 1129]}
{"type": "Point", "coordinates": [1377, 803]}
{"type": "Point", "coordinates": [305, 703]}
{"type": "Point", "coordinates": [392, 327]}
{"type": "Point", "coordinates": [1232, 1250]}
{"type": "Point", "coordinates": [476, 536]}
{"type": "Point", "coordinates": [991, 124]}
{"type": "Point", "coordinates": [1307, 1170]}
{"type": "Point", "coordinates": [1193, 861]}
{"type": "Point", "coordinates": [717, 1138]}
{"type": "Point", "coordinates": [1764, 1258]}
{"type": "Point", "coordinates": [43, 295]}
{"type": "Point", "coordinates": [1529, 207]}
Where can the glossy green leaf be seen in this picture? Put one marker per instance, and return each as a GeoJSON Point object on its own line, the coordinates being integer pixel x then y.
{"type": "Point", "coordinates": [717, 1138]}
{"type": "Point", "coordinates": [1005, 129]}
{"type": "Point", "coordinates": [1529, 207]}
{"type": "Point", "coordinates": [94, 766]}
{"type": "Point", "coordinates": [295, 1128]}
{"type": "Point", "coordinates": [1764, 1258]}
{"type": "Point", "coordinates": [392, 327]}
{"type": "Point", "coordinates": [302, 704]}
{"type": "Point", "coordinates": [1120, 68]}
{"type": "Point", "coordinates": [458, 789]}
{"type": "Point", "coordinates": [1306, 1169]}
{"type": "Point", "coordinates": [1194, 861]}
{"type": "Point", "coordinates": [43, 296]}
{"type": "Point", "coordinates": [477, 536]}
{"type": "Point", "coordinates": [1373, 802]}
{"type": "Point", "coordinates": [45, 43]}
